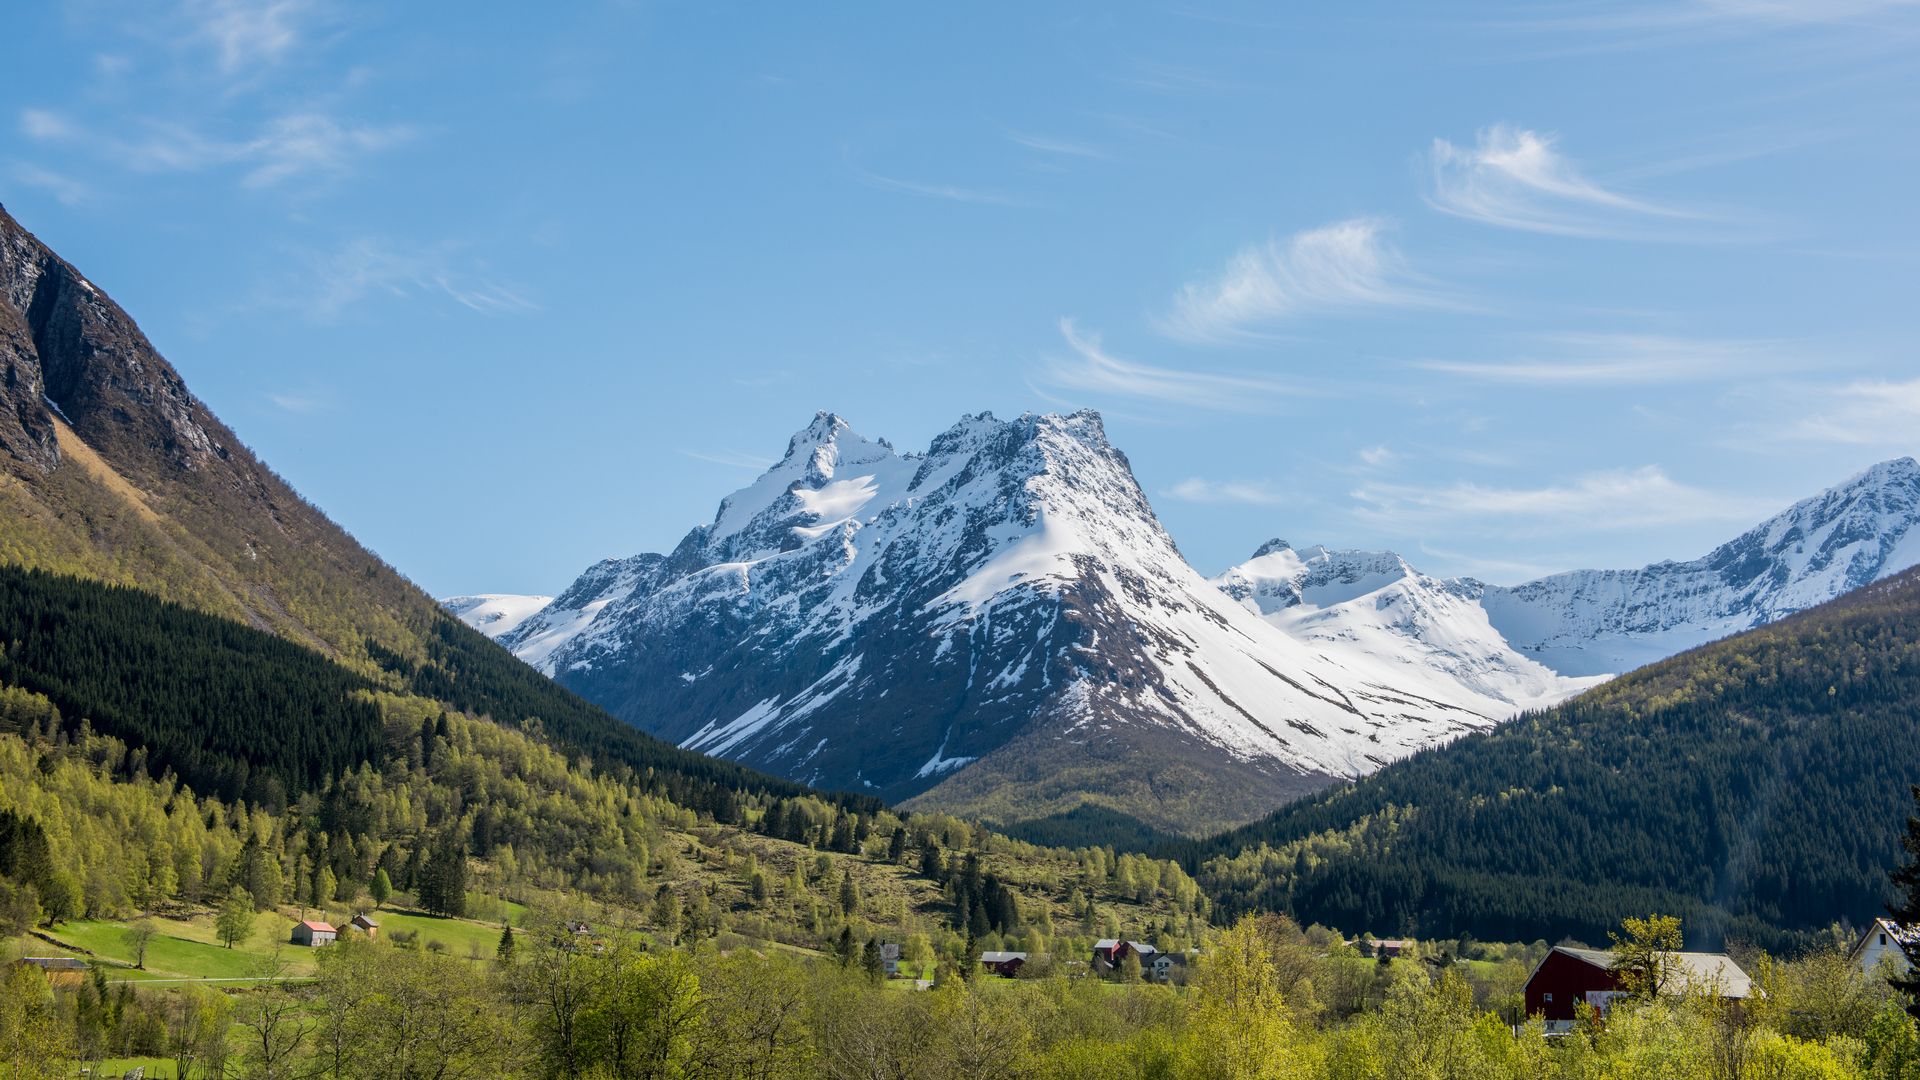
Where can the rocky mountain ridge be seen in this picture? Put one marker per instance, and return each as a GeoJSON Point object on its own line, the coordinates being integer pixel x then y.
{"type": "Point", "coordinates": [997, 626]}
{"type": "Point", "coordinates": [1530, 643]}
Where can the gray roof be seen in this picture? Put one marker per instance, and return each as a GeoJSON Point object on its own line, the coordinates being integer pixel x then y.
{"type": "Point", "coordinates": [1700, 968]}
{"type": "Point", "coordinates": [1001, 957]}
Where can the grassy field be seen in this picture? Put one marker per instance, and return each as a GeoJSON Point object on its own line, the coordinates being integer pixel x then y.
{"type": "Point", "coordinates": [177, 952]}
{"type": "Point", "coordinates": [191, 949]}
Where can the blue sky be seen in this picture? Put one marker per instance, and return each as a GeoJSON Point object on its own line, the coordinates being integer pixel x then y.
{"type": "Point", "coordinates": [507, 289]}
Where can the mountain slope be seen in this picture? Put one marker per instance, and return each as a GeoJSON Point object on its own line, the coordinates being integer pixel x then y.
{"type": "Point", "coordinates": [1534, 645]}
{"type": "Point", "coordinates": [110, 469]}
{"type": "Point", "coordinates": [495, 614]}
{"type": "Point", "coordinates": [1375, 604]}
{"type": "Point", "coordinates": [996, 627]}
{"type": "Point", "coordinates": [1590, 622]}
{"type": "Point", "coordinates": [1755, 786]}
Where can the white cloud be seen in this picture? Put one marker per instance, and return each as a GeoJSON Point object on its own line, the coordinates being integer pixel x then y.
{"type": "Point", "coordinates": [1613, 359]}
{"type": "Point", "coordinates": [1516, 179]}
{"type": "Point", "coordinates": [730, 457]}
{"type": "Point", "coordinates": [1233, 491]}
{"type": "Point", "coordinates": [1871, 412]}
{"type": "Point", "coordinates": [1377, 455]}
{"type": "Point", "coordinates": [68, 191]}
{"type": "Point", "coordinates": [938, 191]}
{"type": "Point", "coordinates": [286, 147]}
{"type": "Point", "coordinates": [372, 266]}
{"type": "Point", "coordinates": [1056, 146]}
{"type": "Point", "coordinates": [247, 33]}
{"type": "Point", "coordinates": [292, 145]}
{"type": "Point", "coordinates": [1342, 265]}
{"type": "Point", "coordinates": [1091, 368]}
{"type": "Point", "coordinates": [298, 404]}
{"type": "Point", "coordinates": [1616, 499]}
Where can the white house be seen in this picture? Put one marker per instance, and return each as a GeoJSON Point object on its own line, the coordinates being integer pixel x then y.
{"type": "Point", "coordinates": [1884, 940]}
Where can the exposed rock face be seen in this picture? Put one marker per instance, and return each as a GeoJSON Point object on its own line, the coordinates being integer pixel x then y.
{"type": "Point", "coordinates": [995, 626]}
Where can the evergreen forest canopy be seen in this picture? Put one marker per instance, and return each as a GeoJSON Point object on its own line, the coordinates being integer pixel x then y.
{"type": "Point", "coordinates": [239, 713]}
{"type": "Point", "coordinates": [1754, 786]}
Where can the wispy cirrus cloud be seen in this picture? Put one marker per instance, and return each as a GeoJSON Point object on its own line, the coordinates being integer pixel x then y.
{"type": "Point", "coordinates": [1092, 369]}
{"type": "Point", "coordinates": [1055, 146]}
{"type": "Point", "coordinates": [376, 266]}
{"type": "Point", "coordinates": [1516, 179]}
{"type": "Point", "coordinates": [67, 190]}
{"type": "Point", "coordinates": [1343, 265]}
{"type": "Point", "coordinates": [730, 457]}
{"type": "Point", "coordinates": [1621, 359]}
{"type": "Point", "coordinates": [937, 191]}
{"type": "Point", "coordinates": [285, 147]}
{"type": "Point", "coordinates": [1615, 499]}
{"type": "Point", "coordinates": [246, 33]}
{"type": "Point", "coordinates": [1194, 489]}
{"type": "Point", "coordinates": [1871, 412]}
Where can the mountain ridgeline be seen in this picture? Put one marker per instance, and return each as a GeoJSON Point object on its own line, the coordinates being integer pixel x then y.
{"type": "Point", "coordinates": [112, 472]}
{"type": "Point", "coordinates": [998, 627]}
{"type": "Point", "coordinates": [1755, 786]}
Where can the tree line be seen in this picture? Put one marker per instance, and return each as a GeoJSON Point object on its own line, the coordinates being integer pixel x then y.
{"type": "Point", "coordinates": [1751, 785]}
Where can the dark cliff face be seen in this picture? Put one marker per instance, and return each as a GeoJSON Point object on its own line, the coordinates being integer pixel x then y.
{"type": "Point", "coordinates": [198, 518]}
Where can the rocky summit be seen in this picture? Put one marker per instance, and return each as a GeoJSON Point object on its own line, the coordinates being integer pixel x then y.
{"type": "Point", "coordinates": [997, 626]}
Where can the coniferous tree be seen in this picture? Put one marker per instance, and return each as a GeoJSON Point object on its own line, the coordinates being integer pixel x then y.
{"type": "Point", "coordinates": [1907, 876]}
{"type": "Point", "coordinates": [847, 950]}
{"type": "Point", "coordinates": [876, 968]}
{"type": "Point", "coordinates": [897, 847]}
{"type": "Point", "coordinates": [504, 951]}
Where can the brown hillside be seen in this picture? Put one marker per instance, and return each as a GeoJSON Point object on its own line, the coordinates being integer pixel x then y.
{"type": "Point", "coordinates": [148, 488]}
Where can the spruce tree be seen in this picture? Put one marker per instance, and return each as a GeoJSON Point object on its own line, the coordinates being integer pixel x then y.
{"type": "Point", "coordinates": [504, 953]}
{"type": "Point", "coordinates": [1906, 876]}
{"type": "Point", "coordinates": [897, 847]}
{"type": "Point", "coordinates": [870, 960]}
{"type": "Point", "coordinates": [847, 949]}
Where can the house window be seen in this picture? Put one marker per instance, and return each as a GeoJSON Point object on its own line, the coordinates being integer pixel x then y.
{"type": "Point", "coordinates": [1883, 939]}
{"type": "Point", "coordinates": [1546, 997]}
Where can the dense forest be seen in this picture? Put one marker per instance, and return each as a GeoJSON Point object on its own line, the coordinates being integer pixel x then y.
{"type": "Point", "coordinates": [239, 713]}
{"type": "Point", "coordinates": [1754, 785]}
{"type": "Point", "coordinates": [230, 709]}
{"type": "Point", "coordinates": [472, 674]}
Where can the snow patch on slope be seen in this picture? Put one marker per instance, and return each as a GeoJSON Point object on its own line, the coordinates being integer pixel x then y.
{"type": "Point", "coordinates": [495, 614]}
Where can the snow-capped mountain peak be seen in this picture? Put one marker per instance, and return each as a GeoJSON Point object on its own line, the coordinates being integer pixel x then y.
{"type": "Point", "coordinates": [1590, 621]}
{"type": "Point", "coordinates": [949, 620]}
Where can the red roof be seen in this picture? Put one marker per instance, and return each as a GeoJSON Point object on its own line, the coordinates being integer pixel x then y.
{"type": "Point", "coordinates": [323, 927]}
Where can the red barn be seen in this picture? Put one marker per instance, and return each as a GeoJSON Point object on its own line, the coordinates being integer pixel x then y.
{"type": "Point", "coordinates": [1003, 963]}
{"type": "Point", "coordinates": [1567, 977]}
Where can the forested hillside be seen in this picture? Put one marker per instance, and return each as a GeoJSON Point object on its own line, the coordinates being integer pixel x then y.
{"type": "Point", "coordinates": [240, 713]}
{"type": "Point", "coordinates": [1754, 786]}
{"type": "Point", "coordinates": [112, 471]}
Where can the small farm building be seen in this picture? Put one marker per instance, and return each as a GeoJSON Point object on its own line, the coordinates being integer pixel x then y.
{"type": "Point", "coordinates": [1003, 963]}
{"type": "Point", "coordinates": [313, 933]}
{"type": "Point", "coordinates": [1568, 976]}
